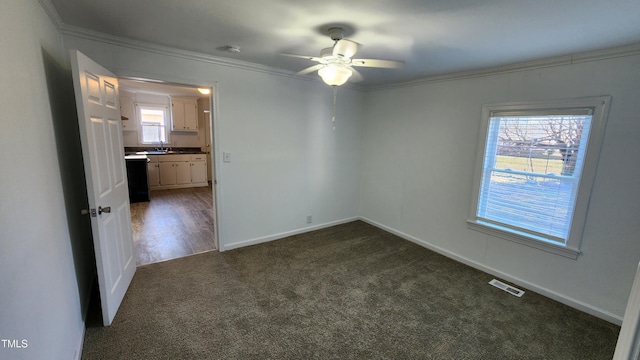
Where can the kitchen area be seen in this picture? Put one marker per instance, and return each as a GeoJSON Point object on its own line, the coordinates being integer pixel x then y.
{"type": "Point", "coordinates": [166, 132]}
{"type": "Point", "coordinates": [160, 170]}
{"type": "Point", "coordinates": [169, 126]}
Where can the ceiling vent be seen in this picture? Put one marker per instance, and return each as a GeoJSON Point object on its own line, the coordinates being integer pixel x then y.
{"type": "Point", "coordinates": [230, 49]}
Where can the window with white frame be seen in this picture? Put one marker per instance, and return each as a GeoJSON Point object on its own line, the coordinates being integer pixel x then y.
{"type": "Point", "coordinates": [153, 124]}
{"type": "Point", "coordinates": [535, 168]}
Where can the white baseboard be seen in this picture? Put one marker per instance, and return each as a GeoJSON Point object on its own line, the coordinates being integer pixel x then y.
{"type": "Point", "coordinates": [85, 310]}
{"type": "Point", "coordinates": [78, 354]}
{"type": "Point", "coordinates": [239, 244]}
{"type": "Point", "coordinates": [574, 303]}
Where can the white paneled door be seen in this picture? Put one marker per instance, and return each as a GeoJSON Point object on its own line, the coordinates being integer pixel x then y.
{"type": "Point", "coordinates": [103, 154]}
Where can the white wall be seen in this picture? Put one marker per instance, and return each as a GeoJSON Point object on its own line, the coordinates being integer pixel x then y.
{"type": "Point", "coordinates": [286, 162]}
{"type": "Point", "coordinates": [417, 171]}
{"type": "Point", "coordinates": [45, 245]}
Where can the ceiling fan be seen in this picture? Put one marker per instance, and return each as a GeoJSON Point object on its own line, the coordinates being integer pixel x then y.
{"type": "Point", "coordinates": [336, 64]}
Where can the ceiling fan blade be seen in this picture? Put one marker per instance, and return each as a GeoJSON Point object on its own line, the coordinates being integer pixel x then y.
{"type": "Point", "coordinates": [312, 58]}
{"type": "Point", "coordinates": [355, 75]}
{"type": "Point", "coordinates": [390, 64]}
{"type": "Point", "coordinates": [310, 69]}
{"type": "Point", "coordinates": [345, 48]}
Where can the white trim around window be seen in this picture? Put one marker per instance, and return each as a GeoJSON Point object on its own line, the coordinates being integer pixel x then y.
{"type": "Point", "coordinates": [566, 242]}
{"type": "Point", "coordinates": [162, 126]}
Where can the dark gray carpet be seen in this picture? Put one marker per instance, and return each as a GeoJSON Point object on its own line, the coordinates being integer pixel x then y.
{"type": "Point", "coordinates": [347, 292]}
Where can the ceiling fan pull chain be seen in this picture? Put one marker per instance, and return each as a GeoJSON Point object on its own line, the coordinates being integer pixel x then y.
{"type": "Point", "coordinates": [333, 118]}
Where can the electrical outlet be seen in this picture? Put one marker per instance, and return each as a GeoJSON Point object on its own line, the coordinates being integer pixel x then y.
{"type": "Point", "coordinates": [309, 219]}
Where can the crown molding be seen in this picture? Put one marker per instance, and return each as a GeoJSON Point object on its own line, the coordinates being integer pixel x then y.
{"type": "Point", "coordinates": [622, 51]}
{"type": "Point", "coordinates": [83, 33]}
{"type": "Point", "coordinates": [52, 13]}
{"type": "Point", "coordinates": [68, 30]}
{"type": "Point", "coordinates": [72, 31]}
{"type": "Point", "coordinates": [603, 54]}
{"type": "Point", "coordinates": [535, 64]}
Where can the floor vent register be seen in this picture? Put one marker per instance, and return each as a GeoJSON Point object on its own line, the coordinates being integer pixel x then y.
{"type": "Point", "coordinates": [508, 288]}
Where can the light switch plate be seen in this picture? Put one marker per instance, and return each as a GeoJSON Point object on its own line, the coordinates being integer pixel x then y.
{"type": "Point", "coordinates": [226, 157]}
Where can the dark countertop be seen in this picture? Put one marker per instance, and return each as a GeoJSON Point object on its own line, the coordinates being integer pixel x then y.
{"type": "Point", "coordinates": [153, 151]}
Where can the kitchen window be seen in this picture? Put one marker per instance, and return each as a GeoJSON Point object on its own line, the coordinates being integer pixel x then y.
{"type": "Point", "coordinates": [535, 167]}
{"type": "Point", "coordinates": [153, 124]}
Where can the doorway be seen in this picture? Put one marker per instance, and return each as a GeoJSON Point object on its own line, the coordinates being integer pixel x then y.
{"type": "Point", "coordinates": [179, 219]}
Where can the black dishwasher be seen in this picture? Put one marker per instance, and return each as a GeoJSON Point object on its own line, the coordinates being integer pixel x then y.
{"type": "Point", "coordinates": [137, 177]}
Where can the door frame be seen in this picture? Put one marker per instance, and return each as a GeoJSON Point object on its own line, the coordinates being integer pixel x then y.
{"type": "Point", "coordinates": [214, 118]}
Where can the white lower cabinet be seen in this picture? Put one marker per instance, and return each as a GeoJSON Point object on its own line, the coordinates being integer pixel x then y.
{"type": "Point", "coordinates": [177, 171]}
{"type": "Point", "coordinates": [168, 173]}
{"type": "Point", "coordinates": [198, 169]}
{"type": "Point", "coordinates": [183, 173]}
{"type": "Point", "coordinates": [153, 172]}
{"type": "Point", "coordinates": [174, 173]}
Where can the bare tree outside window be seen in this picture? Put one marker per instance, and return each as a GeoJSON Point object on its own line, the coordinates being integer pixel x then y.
{"type": "Point", "coordinates": [553, 138]}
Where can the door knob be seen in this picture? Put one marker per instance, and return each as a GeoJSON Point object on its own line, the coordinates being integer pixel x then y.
{"type": "Point", "coordinates": [106, 209]}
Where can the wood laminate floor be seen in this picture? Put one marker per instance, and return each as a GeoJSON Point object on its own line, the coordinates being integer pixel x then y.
{"type": "Point", "coordinates": [175, 223]}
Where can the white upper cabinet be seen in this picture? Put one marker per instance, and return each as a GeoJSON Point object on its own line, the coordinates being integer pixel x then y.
{"type": "Point", "coordinates": [184, 114]}
{"type": "Point", "coordinates": [128, 112]}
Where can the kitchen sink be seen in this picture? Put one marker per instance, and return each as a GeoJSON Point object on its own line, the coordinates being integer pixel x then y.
{"type": "Point", "coordinates": [157, 152]}
{"type": "Point", "coordinates": [163, 152]}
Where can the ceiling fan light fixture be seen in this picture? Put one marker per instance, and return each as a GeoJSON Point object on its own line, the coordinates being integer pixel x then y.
{"type": "Point", "coordinates": [335, 74]}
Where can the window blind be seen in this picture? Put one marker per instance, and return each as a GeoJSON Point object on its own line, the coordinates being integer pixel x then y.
{"type": "Point", "coordinates": [531, 170]}
{"type": "Point", "coordinates": [153, 124]}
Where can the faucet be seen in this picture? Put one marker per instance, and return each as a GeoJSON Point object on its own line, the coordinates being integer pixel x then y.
{"type": "Point", "coordinates": [161, 146]}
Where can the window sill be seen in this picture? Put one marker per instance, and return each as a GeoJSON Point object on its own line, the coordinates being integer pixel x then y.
{"type": "Point", "coordinates": [540, 244]}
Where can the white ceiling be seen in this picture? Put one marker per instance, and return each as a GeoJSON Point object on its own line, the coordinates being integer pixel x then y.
{"type": "Point", "coordinates": [433, 37]}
